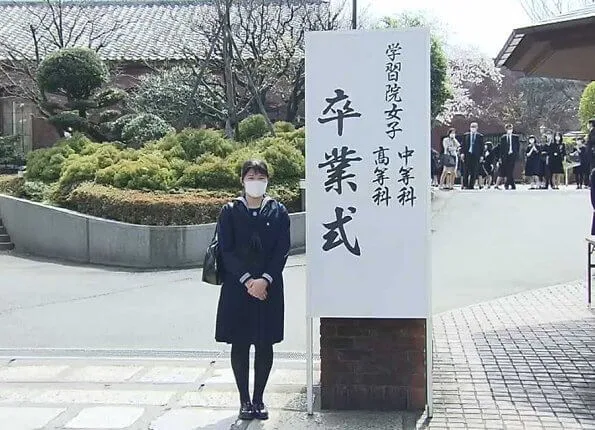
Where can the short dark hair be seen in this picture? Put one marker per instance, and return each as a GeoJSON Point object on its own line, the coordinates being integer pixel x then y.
{"type": "Point", "coordinates": [452, 130]}
{"type": "Point", "coordinates": [258, 166]}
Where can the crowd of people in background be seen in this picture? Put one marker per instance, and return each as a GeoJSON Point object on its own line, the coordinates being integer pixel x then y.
{"type": "Point", "coordinates": [482, 163]}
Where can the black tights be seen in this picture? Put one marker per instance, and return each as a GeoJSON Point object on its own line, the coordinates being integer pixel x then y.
{"type": "Point", "coordinates": [240, 363]}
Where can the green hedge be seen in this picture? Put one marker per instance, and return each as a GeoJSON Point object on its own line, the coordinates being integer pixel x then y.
{"type": "Point", "coordinates": [161, 208]}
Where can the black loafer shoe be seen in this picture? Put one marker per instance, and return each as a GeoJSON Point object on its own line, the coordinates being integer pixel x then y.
{"type": "Point", "coordinates": [261, 412]}
{"type": "Point", "coordinates": [246, 411]}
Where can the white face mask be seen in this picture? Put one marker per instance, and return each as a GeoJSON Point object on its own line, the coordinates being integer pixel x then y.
{"type": "Point", "coordinates": [508, 131]}
{"type": "Point", "coordinates": [255, 188]}
{"type": "Point", "coordinates": [473, 130]}
{"type": "Point", "coordinates": [557, 138]}
{"type": "Point", "coordinates": [452, 135]}
{"type": "Point", "coordinates": [531, 141]}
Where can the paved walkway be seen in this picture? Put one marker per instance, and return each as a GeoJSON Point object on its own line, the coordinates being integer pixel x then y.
{"type": "Point", "coordinates": [524, 361]}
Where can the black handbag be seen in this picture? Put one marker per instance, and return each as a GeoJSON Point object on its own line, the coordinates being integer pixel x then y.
{"type": "Point", "coordinates": [212, 267]}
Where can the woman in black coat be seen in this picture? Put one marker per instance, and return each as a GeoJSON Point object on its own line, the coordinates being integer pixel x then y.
{"type": "Point", "coordinates": [557, 156]}
{"type": "Point", "coordinates": [254, 244]}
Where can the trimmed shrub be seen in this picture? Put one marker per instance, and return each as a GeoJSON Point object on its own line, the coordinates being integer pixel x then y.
{"type": "Point", "coordinates": [289, 195]}
{"type": "Point", "coordinates": [237, 158]}
{"type": "Point", "coordinates": [77, 169]}
{"type": "Point", "coordinates": [46, 164]}
{"type": "Point", "coordinates": [284, 127]}
{"type": "Point", "coordinates": [148, 208]}
{"type": "Point", "coordinates": [144, 128]}
{"type": "Point", "coordinates": [118, 125]}
{"type": "Point", "coordinates": [196, 142]}
{"type": "Point", "coordinates": [150, 171]}
{"type": "Point", "coordinates": [252, 128]}
{"type": "Point", "coordinates": [77, 72]}
{"type": "Point", "coordinates": [37, 191]}
{"type": "Point", "coordinates": [212, 174]}
{"type": "Point", "coordinates": [287, 161]}
{"type": "Point", "coordinates": [11, 184]}
{"type": "Point", "coordinates": [296, 138]}
{"type": "Point", "coordinates": [158, 208]}
{"type": "Point", "coordinates": [77, 142]}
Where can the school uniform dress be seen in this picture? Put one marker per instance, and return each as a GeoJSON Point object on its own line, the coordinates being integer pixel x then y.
{"type": "Point", "coordinates": [532, 163]}
{"type": "Point", "coordinates": [486, 164]}
{"type": "Point", "coordinates": [582, 170]}
{"type": "Point", "coordinates": [557, 154]}
{"type": "Point", "coordinates": [254, 243]}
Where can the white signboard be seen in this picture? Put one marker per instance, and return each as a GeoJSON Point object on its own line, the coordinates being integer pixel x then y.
{"type": "Point", "coordinates": [368, 173]}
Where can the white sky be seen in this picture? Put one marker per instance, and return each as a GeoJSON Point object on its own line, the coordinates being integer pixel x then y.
{"type": "Point", "coordinates": [485, 24]}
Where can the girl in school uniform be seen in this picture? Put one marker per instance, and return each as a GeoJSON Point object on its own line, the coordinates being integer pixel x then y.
{"type": "Point", "coordinates": [254, 244]}
{"type": "Point", "coordinates": [532, 163]}
{"type": "Point", "coordinates": [486, 166]}
{"type": "Point", "coordinates": [557, 157]}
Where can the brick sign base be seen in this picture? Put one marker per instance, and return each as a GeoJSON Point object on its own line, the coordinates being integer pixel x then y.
{"type": "Point", "coordinates": [373, 364]}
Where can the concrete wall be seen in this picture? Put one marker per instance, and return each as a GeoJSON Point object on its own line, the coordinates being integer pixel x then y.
{"type": "Point", "coordinates": [52, 232]}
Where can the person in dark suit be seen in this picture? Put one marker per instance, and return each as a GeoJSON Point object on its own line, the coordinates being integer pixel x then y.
{"type": "Point", "coordinates": [509, 153]}
{"type": "Point", "coordinates": [582, 170]}
{"type": "Point", "coordinates": [471, 151]}
{"type": "Point", "coordinates": [591, 144]}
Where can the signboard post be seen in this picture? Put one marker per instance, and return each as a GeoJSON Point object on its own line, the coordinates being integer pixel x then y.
{"type": "Point", "coordinates": [368, 217]}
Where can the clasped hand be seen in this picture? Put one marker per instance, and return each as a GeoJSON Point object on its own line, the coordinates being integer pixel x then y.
{"type": "Point", "coordinates": [257, 288]}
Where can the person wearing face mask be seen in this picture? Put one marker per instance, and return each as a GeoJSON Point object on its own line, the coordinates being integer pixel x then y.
{"type": "Point", "coordinates": [557, 156]}
{"type": "Point", "coordinates": [254, 241]}
{"type": "Point", "coordinates": [450, 147]}
{"type": "Point", "coordinates": [471, 150]}
{"type": "Point", "coordinates": [532, 164]}
{"type": "Point", "coordinates": [509, 153]}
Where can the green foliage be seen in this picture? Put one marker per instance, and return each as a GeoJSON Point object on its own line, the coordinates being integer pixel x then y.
{"type": "Point", "coordinates": [587, 105]}
{"type": "Point", "coordinates": [118, 125]}
{"type": "Point", "coordinates": [149, 171]}
{"type": "Point", "coordinates": [212, 173]}
{"type": "Point", "coordinates": [296, 138]}
{"type": "Point", "coordinates": [440, 91]}
{"type": "Point", "coordinates": [252, 128]}
{"type": "Point", "coordinates": [167, 95]}
{"type": "Point", "coordinates": [8, 149]}
{"type": "Point", "coordinates": [110, 97]}
{"type": "Point", "coordinates": [198, 142]}
{"type": "Point", "coordinates": [36, 191]}
{"type": "Point", "coordinates": [69, 119]}
{"type": "Point", "coordinates": [237, 159]}
{"type": "Point", "coordinates": [144, 128]}
{"type": "Point", "coordinates": [77, 169]}
{"type": "Point", "coordinates": [46, 164]}
{"type": "Point", "coordinates": [75, 72]}
{"type": "Point", "coordinates": [148, 208]}
{"type": "Point", "coordinates": [77, 142]}
{"type": "Point", "coordinates": [287, 161]}
{"type": "Point", "coordinates": [284, 127]}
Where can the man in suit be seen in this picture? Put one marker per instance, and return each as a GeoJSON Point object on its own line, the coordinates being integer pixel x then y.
{"type": "Point", "coordinates": [471, 149]}
{"type": "Point", "coordinates": [509, 154]}
{"type": "Point", "coordinates": [591, 146]}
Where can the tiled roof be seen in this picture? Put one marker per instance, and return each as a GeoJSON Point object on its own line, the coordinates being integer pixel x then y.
{"type": "Point", "coordinates": [130, 30]}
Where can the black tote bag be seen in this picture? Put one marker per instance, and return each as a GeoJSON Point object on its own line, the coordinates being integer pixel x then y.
{"type": "Point", "coordinates": [211, 268]}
